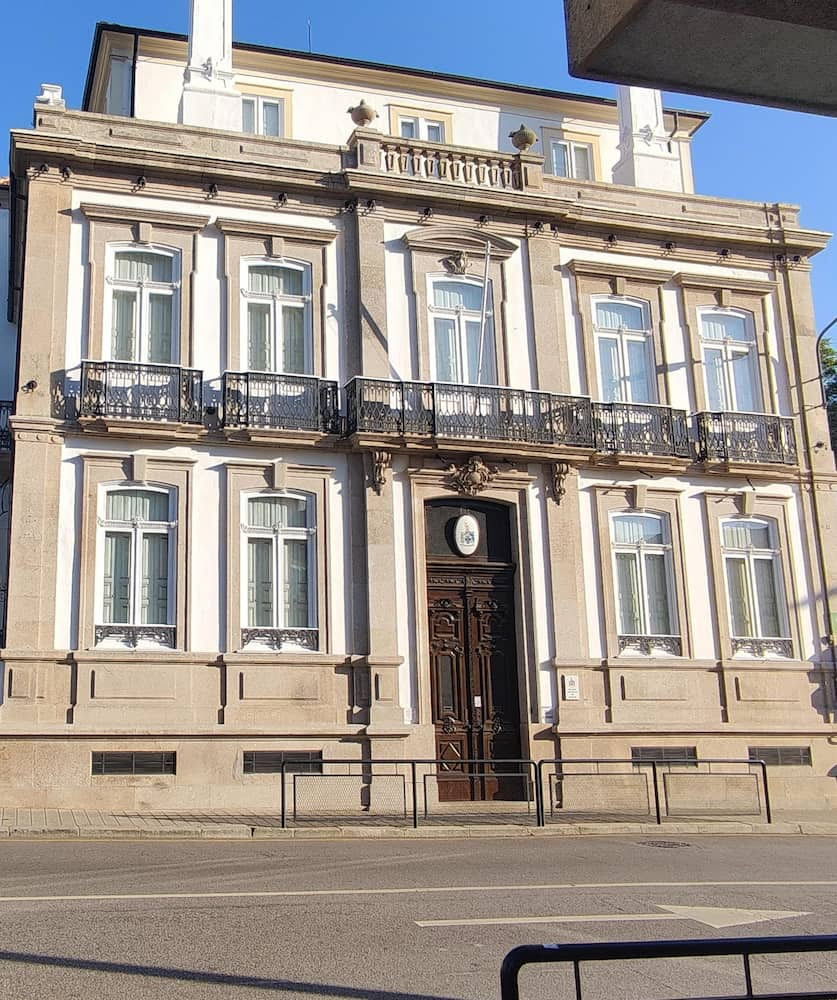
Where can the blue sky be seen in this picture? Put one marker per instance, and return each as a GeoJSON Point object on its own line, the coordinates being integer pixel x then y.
{"type": "Point", "coordinates": [743, 152]}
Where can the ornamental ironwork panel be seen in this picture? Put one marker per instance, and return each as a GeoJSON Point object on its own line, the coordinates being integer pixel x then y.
{"type": "Point", "coordinates": [281, 401]}
{"type": "Point", "coordinates": [5, 431]}
{"type": "Point", "coordinates": [641, 429]}
{"type": "Point", "coordinates": [647, 645]}
{"type": "Point", "coordinates": [761, 646]}
{"type": "Point", "coordinates": [467, 412]}
{"type": "Point", "coordinates": [280, 638]}
{"type": "Point", "coordinates": [133, 635]}
{"type": "Point", "coordinates": [746, 437]}
{"type": "Point", "coordinates": [131, 391]}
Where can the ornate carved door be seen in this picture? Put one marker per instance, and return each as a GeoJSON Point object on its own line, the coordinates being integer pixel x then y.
{"type": "Point", "coordinates": [474, 682]}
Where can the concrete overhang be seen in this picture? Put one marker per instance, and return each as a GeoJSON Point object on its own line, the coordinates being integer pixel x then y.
{"type": "Point", "coordinates": [777, 52]}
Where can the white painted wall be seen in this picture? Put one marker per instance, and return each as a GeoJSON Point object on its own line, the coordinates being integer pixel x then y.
{"type": "Point", "coordinates": [8, 333]}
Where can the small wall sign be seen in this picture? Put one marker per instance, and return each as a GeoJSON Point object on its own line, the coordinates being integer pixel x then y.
{"type": "Point", "coordinates": [572, 687]}
{"type": "Point", "coordinates": [466, 534]}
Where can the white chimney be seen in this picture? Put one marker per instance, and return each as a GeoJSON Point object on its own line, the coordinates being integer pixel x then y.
{"type": "Point", "coordinates": [648, 157]}
{"type": "Point", "coordinates": [209, 97]}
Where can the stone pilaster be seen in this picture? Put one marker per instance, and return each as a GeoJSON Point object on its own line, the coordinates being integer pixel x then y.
{"type": "Point", "coordinates": [548, 315]}
{"type": "Point", "coordinates": [369, 355]}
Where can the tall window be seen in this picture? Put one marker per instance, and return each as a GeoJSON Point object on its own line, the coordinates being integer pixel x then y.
{"type": "Point", "coordinates": [625, 351]}
{"type": "Point", "coordinates": [278, 321]}
{"type": "Point", "coordinates": [137, 541]}
{"type": "Point", "coordinates": [462, 344]}
{"type": "Point", "coordinates": [280, 554]}
{"type": "Point", "coordinates": [262, 115]}
{"type": "Point", "coordinates": [572, 159]}
{"type": "Point", "coordinates": [642, 570]}
{"type": "Point", "coordinates": [144, 306]}
{"type": "Point", "coordinates": [730, 359]}
{"type": "Point", "coordinates": [752, 564]}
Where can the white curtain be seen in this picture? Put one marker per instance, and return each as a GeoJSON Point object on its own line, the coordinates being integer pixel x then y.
{"type": "Point", "coordinates": [260, 582]}
{"type": "Point", "coordinates": [124, 332]}
{"type": "Point", "coordinates": [724, 326]}
{"type": "Point", "coordinates": [633, 528]}
{"type": "Point", "coordinates": [296, 583]}
{"type": "Point", "coordinates": [134, 265]}
{"type": "Point", "coordinates": [271, 123]}
{"type": "Point", "coordinates": [273, 279]}
{"type": "Point", "coordinates": [159, 329]}
{"type": "Point", "coordinates": [258, 336]}
{"type": "Point", "coordinates": [293, 339]}
{"type": "Point", "coordinates": [611, 387]}
{"type": "Point", "coordinates": [742, 619]}
{"type": "Point", "coordinates": [117, 583]}
{"type": "Point", "coordinates": [458, 295]}
{"type": "Point", "coordinates": [248, 116]}
{"type": "Point", "coordinates": [638, 374]}
{"type": "Point", "coordinates": [713, 361]}
{"type": "Point", "coordinates": [276, 512]}
{"type": "Point", "coordinates": [155, 579]}
{"type": "Point", "coordinates": [447, 367]}
{"type": "Point", "coordinates": [140, 505]}
{"type": "Point", "coordinates": [746, 394]}
{"type": "Point", "coordinates": [746, 534]}
{"type": "Point", "coordinates": [627, 578]}
{"type": "Point", "coordinates": [657, 594]}
{"type": "Point", "coordinates": [766, 597]}
{"type": "Point", "coordinates": [619, 315]}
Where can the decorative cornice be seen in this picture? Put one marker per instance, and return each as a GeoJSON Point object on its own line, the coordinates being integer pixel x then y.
{"type": "Point", "coordinates": [458, 239]}
{"type": "Point", "coordinates": [616, 269]}
{"type": "Point", "coordinates": [121, 213]}
{"type": "Point", "coordinates": [714, 283]}
{"type": "Point", "coordinates": [262, 230]}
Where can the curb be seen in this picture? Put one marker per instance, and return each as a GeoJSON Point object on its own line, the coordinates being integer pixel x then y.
{"type": "Point", "coordinates": [234, 831]}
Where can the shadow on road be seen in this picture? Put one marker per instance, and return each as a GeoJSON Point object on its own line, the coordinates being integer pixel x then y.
{"type": "Point", "coordinates": [215, 978]}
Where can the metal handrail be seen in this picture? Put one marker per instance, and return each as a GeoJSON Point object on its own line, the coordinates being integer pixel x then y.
{"type": "Point", "coordinates": [626, 951]}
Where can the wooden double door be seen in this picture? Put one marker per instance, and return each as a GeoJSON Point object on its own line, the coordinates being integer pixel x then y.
{"type": "Point", "coordinates": [474, 682]}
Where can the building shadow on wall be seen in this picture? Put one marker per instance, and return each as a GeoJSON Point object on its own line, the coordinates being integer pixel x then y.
{"type": "Point", "coordinates": [213, 978]}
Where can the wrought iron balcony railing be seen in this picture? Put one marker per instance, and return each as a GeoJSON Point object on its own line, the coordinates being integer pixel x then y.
{"type": "Point", "coordinates": [641, 429]}
{"type": "Point", "coordinates": [131, 391]}
{"type": "Point", "coordinates": [6, 407]}
{"type": "Point", "coordinates": [284, 402]}
{"type": "Point", "coordinates": [746, 437]}
{"type": "Point", "coordinates": [481, 412]}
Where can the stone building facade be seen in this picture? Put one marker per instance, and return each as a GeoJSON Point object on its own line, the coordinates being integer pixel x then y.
{"type": "Point", "coordinates": [452, 426]}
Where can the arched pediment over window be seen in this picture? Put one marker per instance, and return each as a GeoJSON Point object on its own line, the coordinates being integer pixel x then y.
{"type": "Point", "coordinates": [452, 240]}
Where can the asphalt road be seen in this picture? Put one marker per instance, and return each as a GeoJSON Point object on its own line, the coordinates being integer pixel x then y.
{"type": "Point", "coordinates": [391, 920]}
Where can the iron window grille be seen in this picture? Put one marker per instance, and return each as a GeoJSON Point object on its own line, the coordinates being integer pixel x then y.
{"type": "Point", "coordinates": [294, 761]}
{"type": "Point", "coordinates": [134, 762]}
{"type": "Point", "coordinates": [782, 756]}
{"type": "Point", "coordinates": [676, 755]}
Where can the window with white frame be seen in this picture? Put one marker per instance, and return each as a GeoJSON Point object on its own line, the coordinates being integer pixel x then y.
{"type": "Point", "coordinates": [752, 567]}
{"type": "Point", "coordinates": [144, 304]}
{"type": "Point", "coordinates": [277, 321]}
{"type": "Point", "coordinates": [136, 553]}
{"type": "Point", "coordinates": [643, 579]}
{"type": "Point", "coordinates": [625, 350]}
{"type": "Point", "coordinates": [263, 115]}
{"type": "Point", "coordinates": [279, 558]}
{"type": "Point", "coordinates": [572, 159]}
{"type": "Point", "coordinates": [462, 331]}
{"type": "Point", "coordinates": [730, 360]}
{"type": "Point", "coordinates": [417, 127]}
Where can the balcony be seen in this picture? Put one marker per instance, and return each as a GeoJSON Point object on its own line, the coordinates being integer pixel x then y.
{"type": "Point", "coordinates": [130, 391]}
{"type": "Point", "coordinates": [281, 402]}
{"type": "Point", "coordinates": [641, 429]}
{"type": "Point", "coordinates": [467, 412]}
{"type": "Point", "coordinates": [746, 437]}
{"type": "Point", "coordinates": [6, 407]}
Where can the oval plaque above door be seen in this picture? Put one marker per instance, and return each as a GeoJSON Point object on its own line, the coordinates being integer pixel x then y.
{"type": "Point", "coordinates": [466, 534]}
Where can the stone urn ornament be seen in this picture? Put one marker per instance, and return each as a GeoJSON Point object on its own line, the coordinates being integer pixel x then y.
{"type": "Point", "coordinates": [523, 139]}
{"type": "Point", "coordinates": [363, 114]}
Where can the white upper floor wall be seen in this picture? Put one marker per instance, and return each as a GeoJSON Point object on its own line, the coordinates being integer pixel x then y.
{"type": "Point", "coordinates": [298, 96]}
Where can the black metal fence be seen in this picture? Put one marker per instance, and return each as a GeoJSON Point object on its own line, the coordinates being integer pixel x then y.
{"type": "Point", "coordinates": [641, 429]}
{"type": "Point", "coordinates": [522, 791]}
{"type": "Point", "coordinates": [629, 951]}
{"type": "Point", "coordinates": [286, 402]}
{"type": "Point", "coordinates": [130, 391]}
{"type": "Point", "coordinates": [746, 437]}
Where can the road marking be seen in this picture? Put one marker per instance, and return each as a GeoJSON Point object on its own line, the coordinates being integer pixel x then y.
{"type": "Point", "coordinates": [712, 916]}
{"type": "Point", "coordinates": [406, 891]}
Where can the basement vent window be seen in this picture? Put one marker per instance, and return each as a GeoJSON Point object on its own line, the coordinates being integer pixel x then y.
{"type": "Point", "coordinates": [679, 755]}
{"type": "Point", "coordinates": [130, 762]}
{"type": "Point", "coordinates": [782, 756]}
{"type": "Point", "coordinates": [271, 761]}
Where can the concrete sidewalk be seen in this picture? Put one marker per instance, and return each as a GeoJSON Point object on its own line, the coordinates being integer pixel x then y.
{"type": "Point", "coordinates": [89, 824]}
